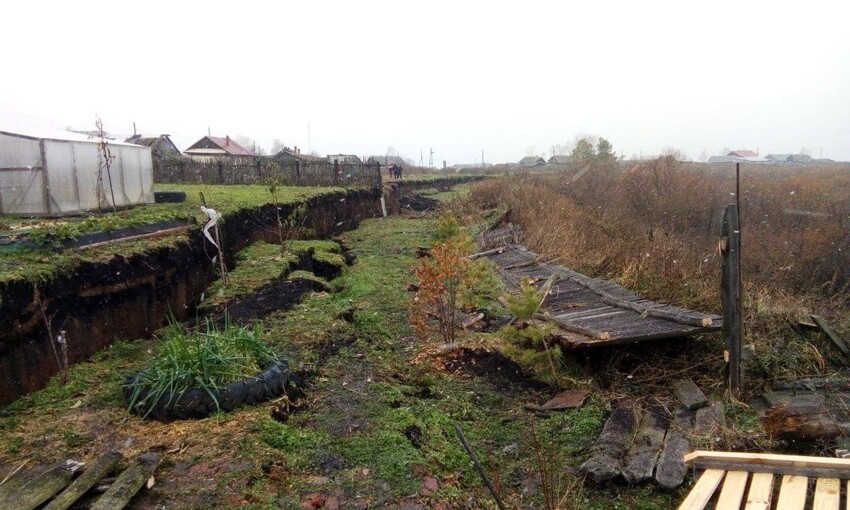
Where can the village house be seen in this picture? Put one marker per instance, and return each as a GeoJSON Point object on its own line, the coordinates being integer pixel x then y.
{"type": "Point", "coordinates": [531, 161]}
{"type": "Point", "coordinates": [161, 145]}
{"type": "Point", "coordinates": [344, 159]}
{"type": "Point", "coordinates": [559, 160]}
{"type": "Point", "coordinates": [742, 153]}
{"type": "Point", "coordinates": [294, 154]}
{"type": "Point", "coordinates": [214, 148]}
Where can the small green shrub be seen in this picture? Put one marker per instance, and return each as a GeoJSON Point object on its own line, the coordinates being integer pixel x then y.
{"type": "Point", "coordinates": [205, 360]}
{"type": "Point", "coordinates": [447, 227]}
{"type": "Point", "coordinates": [529, 334]}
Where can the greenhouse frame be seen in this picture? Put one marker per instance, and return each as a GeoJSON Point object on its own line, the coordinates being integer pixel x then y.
{"type": "Point", "coordinates": [51, 172]}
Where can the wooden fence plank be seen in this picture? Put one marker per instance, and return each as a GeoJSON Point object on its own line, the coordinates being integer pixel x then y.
{"type": "Point", "coordinates": [703, 490]}
{"type": "Point", "coordinates": [761, 492]}
{"type": "Point", "coordinates": [733, 489]}
{"type": "Point", "coordinates": [792, 493]}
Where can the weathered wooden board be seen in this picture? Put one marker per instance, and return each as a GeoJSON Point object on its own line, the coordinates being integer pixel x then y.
{"type": "Point", "coordinates": [646, 447]}
{"type": "Point", "coordinates": [39, 489]}
{"type": "Point", "coordinates": [671, 469]}
{"type": "Point", "coordinates": [128, 483]}
{"type": "Point", "coordinates": [689, 394]}
{"type": "Point", "coordinates": [101, 467]}
{"type": "Point", "coordinates": [607, 453]}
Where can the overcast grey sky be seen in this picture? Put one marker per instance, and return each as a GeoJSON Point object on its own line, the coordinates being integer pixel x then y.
{"type": "Point", "coordinates": [458, 76]}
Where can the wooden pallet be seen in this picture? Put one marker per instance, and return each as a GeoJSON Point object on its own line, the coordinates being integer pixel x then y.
{"type": "Point", "coordinates": [592, 311]}
{"type": "Point", "coordinates": [756, 481]}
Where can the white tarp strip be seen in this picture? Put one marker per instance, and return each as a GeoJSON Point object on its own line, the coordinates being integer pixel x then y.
{"type": "Point", "coordinates": [213, 219]}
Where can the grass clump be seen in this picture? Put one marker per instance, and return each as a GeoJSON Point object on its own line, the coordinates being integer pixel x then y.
{"type": "Point", "coordinates": [205, 360]}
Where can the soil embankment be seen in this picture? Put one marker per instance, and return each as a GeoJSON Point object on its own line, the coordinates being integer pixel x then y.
{"type": "Point", "coordinates": [131, 297]}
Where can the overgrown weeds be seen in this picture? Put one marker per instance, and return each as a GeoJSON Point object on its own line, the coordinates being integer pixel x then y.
{"type": "Point", "coordinates": [654, 227]}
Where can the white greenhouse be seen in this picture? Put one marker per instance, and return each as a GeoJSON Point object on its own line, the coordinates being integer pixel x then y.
{"type": "Point", "coordinates": [51, 172]}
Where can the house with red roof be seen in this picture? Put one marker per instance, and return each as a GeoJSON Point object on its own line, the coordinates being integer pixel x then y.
{"type": "Point", "coordinates": [213, 148]}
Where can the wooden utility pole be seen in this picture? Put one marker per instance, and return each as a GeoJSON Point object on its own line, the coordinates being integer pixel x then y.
{"type": "Point", "coordinates": [732, 288]}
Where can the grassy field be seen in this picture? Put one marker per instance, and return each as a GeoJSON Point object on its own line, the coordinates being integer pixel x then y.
{"type": "Point", "coordinates": [372, 422]}
{"type": "Point", "coordinates": [41, 264]}
{"type": "Point", "coordinates": [374, 425]}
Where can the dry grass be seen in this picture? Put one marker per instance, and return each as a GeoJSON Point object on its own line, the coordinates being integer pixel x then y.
{"type": "Point", "coordinates": [654, 227]}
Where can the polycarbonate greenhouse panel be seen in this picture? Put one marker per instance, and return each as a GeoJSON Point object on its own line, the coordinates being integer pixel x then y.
{"type": "Point", "coordinates": [16, 152]}
{"type": "Point", "coordinates": [64, 197]}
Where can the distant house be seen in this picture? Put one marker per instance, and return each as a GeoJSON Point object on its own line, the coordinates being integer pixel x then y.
{"type": "Point", "coordinates": [386, 160]}
{"type": "Point", "coordinates": [161, 146]}
{"type": "Point", "coordinates": [531, 161]}
{"type": "Point", "coordinates": [344, 159]}
{"type": "Point", "coordinates": [294, 154]}
{"type": "Point", "coordinates": [559, 160]}
{"type": "Point", "coordinates": [743, 154]}
{"type": "Point", "coordinates": [778, 158]}
{"type": "Point", "coordinates": [789, 158]}
{"type": "Point", "coordinates": [737, 159]}
{"type": "Point", "coordinates": [800, 158]}
{"type": "Point", "coordinates": [213, 148]}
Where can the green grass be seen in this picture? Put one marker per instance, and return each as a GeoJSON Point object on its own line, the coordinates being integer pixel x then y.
{"type": "Point", "coordinates": [43, 264]}
{"type": "Point", "coordinates": [206, 360]}
{"type": "Point", "coordinates": [367, 378]}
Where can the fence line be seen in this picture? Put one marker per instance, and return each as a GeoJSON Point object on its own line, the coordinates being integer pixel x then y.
{"type": "Point", "coordinates": [266, 170]}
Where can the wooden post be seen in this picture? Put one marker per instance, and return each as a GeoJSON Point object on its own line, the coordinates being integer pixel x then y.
{"type": "Point", "coordinates": [731, 290]}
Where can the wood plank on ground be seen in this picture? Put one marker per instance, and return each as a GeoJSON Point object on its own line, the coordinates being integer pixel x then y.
{"type": "Point", "coordinates": [827, 494]}
{"type": "Point", "coordinates": [831, 334]}
{"type": "Point", "coordinates": [792, 493]}
{"type": "Point", "coordinates": [703, 490]}
{"type": "Point", "coordinates": [709, 420]}
{"type": "Point", "coordinates": [43, 487]}
{"type": "Point", "coordinates": [101, 467]}
{"type": "Point", "coordinates": [761, 492]}
{"type": "Point", "coordinates": [689, 394]}
{"type": "Point", "coordinates": [606, 458]}
{"type": "Point", "coordinates": [128, 483]}
{"type": "Point", "coordinates": [732, 493]}
{"type": "Point", "coordinates": [671, 469]}
{"type": "Point", "coordinates": [824, 467]}
{"type": "Point", "coordinates": [15, 478]}
{"type": "Point", "coordinates": [646, 447]}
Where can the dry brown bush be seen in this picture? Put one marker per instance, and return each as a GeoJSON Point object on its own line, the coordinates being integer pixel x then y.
{"type": "Point", "coordinates": [654, 226]}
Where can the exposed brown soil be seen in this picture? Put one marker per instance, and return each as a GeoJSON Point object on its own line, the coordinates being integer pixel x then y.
{"type": "Point", "coordinates": [281, 294]}
{"type": "Point", "coordinates": [500, 371]}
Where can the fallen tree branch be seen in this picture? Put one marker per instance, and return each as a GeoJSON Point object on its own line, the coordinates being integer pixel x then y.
{"type": "Point", "coordinates": [478, 467]}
